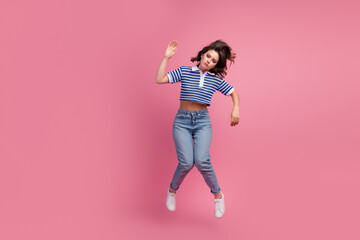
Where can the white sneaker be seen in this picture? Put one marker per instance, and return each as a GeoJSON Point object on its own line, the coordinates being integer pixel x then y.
{"type": "Point", "coordinates": [220, 206]}
{"type": "Point", "coordinates": [170, 201]}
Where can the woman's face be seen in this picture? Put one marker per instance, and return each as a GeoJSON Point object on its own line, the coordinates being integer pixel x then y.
{"type": "Point", "coordinates": [209, 60]}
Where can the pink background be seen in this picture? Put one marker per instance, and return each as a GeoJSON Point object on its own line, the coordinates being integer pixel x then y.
{"type": "Point", "coordinates": [85, 134]}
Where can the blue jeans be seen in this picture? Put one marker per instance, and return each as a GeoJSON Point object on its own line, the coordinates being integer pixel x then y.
{"type": "Point", "coordinates": [192, 137]}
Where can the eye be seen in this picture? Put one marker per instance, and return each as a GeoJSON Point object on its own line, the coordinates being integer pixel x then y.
{"type": "Point", "coordinates": [214, 61]}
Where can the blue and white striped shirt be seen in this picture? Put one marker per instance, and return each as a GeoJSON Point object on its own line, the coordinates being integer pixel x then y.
{"type": "Point", "coordinates": [198, 86]}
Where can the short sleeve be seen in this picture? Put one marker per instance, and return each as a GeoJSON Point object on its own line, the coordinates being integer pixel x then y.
{"type": "Point", "coordinates": [225, 88]}
{"type": "Point", "coordinates": [175, 76]}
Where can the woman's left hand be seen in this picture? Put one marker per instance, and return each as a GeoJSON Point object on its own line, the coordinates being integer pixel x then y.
{"type": "Point", "coordinates": [234, 117]}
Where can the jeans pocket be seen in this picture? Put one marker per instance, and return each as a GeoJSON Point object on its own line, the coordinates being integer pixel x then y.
{"type": "Point", "coordinates": [180, 115]}
{"type": "Point", "coordinates": [204, 116]}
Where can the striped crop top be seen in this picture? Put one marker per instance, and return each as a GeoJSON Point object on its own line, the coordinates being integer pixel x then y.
{"type": "Point", "coordinates": [197, 86]}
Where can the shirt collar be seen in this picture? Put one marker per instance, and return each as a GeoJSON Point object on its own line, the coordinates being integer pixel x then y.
{"type": "Point", "coordinates": [195, 68]}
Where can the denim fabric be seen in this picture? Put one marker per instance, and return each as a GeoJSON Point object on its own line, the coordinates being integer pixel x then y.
{"type": "Point", "coordinates": [192, 134]}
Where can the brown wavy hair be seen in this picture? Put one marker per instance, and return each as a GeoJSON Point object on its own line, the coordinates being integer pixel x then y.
{"type": "Point", "coordinates": [225, 54]}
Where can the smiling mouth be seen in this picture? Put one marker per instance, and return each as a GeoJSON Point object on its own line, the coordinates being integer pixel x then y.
{"type": "Point", "coordinates": [205, 64]}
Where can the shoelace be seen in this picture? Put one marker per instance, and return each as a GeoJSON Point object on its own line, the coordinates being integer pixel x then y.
{"type": "Point", "coordinates": [218, 205]}
{"type": "Point", "coordinates": [172, 198]}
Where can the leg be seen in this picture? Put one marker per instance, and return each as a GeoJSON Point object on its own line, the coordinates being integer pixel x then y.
{"type": "Point", "coordinates": [202, 140]}
{"type": "Point", "coordinates": [185, 153]}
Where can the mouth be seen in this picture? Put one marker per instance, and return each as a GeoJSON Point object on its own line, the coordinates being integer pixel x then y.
{"type": "Point", "coordinates": [206, 65]}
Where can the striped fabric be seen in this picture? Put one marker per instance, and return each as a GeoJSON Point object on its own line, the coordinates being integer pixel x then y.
{"type": "Point", "coordinates": [198, 87]}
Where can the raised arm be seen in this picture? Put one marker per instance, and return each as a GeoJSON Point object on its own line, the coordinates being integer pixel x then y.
{"type": "Point", "coordinates": [161, 77]}
{"type": "Point", "coordinates": [235, 115]}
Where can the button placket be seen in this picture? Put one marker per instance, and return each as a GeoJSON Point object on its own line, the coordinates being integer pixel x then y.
{"type": "Point", "coordinates": [202, 79]}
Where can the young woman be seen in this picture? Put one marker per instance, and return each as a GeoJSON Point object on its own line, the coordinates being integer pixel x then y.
{"type": "Point", "coordinates": [192, 130]}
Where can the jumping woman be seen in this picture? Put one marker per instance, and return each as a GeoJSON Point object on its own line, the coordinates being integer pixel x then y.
{"type": "Point", "coordinates": [192, 129]}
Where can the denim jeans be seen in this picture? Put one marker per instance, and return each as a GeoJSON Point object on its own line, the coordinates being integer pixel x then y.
{"type": "Point", "coordinates": [192, 134]}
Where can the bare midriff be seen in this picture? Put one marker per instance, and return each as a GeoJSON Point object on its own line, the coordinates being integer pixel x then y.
{"type": "Point", "coordinates": [192, 106]}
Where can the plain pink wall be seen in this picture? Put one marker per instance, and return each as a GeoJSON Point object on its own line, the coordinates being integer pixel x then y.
{"type": "Point", "coordinates": [85, 134]}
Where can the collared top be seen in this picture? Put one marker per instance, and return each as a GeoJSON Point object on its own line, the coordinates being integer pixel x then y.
{"type": "Point", "coordinates": [198, 86]}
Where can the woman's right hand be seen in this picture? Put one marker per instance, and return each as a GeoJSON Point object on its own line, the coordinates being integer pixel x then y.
{"type": "Point", "coordinates": [171, 49]}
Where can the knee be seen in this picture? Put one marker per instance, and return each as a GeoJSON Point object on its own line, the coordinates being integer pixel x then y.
{"type": "Point", "coordinates": [202, 161]}
{"type": "Point", "coordinates": [186, 166]}
{"type": "Point", "coordinates": [203, 165]}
